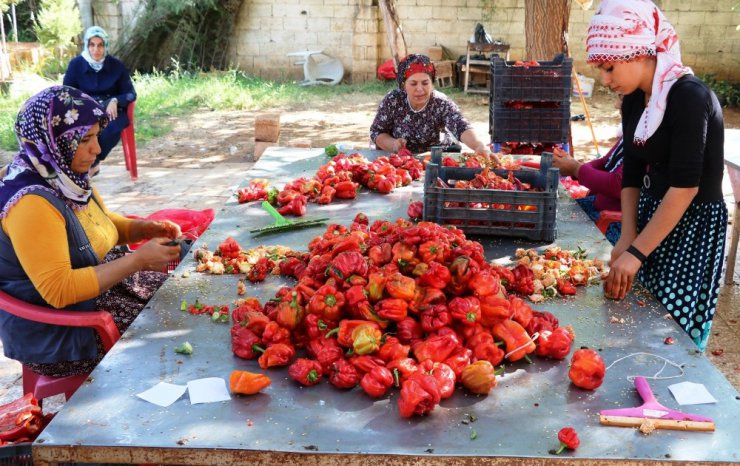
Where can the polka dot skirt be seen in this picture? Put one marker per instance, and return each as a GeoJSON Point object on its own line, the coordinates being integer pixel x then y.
{"type": "Point", "coordinates": [684, 272]}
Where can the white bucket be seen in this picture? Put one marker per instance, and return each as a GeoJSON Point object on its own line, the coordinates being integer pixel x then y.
{"type": "Point", "coordinates": [587, 86]}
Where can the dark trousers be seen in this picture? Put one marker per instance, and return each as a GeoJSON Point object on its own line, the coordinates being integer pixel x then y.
{"type": "Point", "coordinates": [110, 136]}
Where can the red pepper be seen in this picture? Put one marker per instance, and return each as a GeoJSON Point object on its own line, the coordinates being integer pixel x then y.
{"type": "Point", "coordinates": [296, 206]}
{"type": "Point", "coordinates": [432, 274]}
{"type": "Point", "coordinates": [426, 297]}
{"type": "Point", "coordinates": [568, 438]}
{"type": "Point", "coordinates": [437, 348]}
{"type": "Point", "coordinates": [443, 374]}
{"type": "Point", "coordinates": [244, 307]}
{"type": "Point", "coordinates": [458, 360]}
{"type": "Point", "coordinates": [366, 363]}
{"type": "Point", "coordinates": [565, 287]}
{"type": "Point", "coordinates": [305, 371]}
{"type": "Point", "coordinates": [346, 328]}
{"type": "Point", "coordinates": [408, 330]}
{"type": "Point", "coordinates": [326, 351]}
{"type": "Point", "coordinates": [327, 195]}
{"type": "Point", "coordinates": [393, 349]}
{"type": "Point", "coordinates": [346, 264]}
{"type": "Point", "coordinates": [523, 280]}
{"type": "Point", "coordinates": [285, 196]}
{"type": "Point", "coordinates": [254, 321]}
{"type": "Point", "coordinates": [400, 286]}
{"type": "Point", "coordinates": [229, 248]}
{"type": "Point", "coordinates": [393, 309]}
{"type": "Point", "coordinates": [518, 342]}
{"type": "Point", "coordinates": [278, 354]}
{"type": "Point", "coordinates": [465, 310]}
{"type": "Point", "coordinates": [365, 310]}
{"type": "Point", "coordinates": [376, 382]}
{"type": "Point", "coordinates": [316, 327]}
{"type": "Point", "coordinates": [520, 311]}
{"type": "Point", "coordinates": [419, 395]}
{"type": "Point", "coordinates": [401, 368]}
{"type": "Point", "coordinates": [542, 321]}
{"type": "Point", "coordinates": [488, 351]}
{"type": "Point", "coordinates": [505, 275]}
{"type": "Point", "coordinates": [434, 318]}
{"type": "Point", "coordinates": [555, 344]}
{"type": "Point", "coordinates": [274, 334]}
{"type": "Point", "coordinates": [380, 254]}
{"type": "Point", "coordinates": [258, 272]}
{"type": "Point", "coordinates": [343, 374]}
{"type": "Point", "coordinates": [327, 302]}
{"type": "Point", "coordinates": [355, 295]}
{"type": "Point", "coordinates": [292, 267]}
{"type": "Point", "coordinates": [289, 313]}
{"type": "Point", "coordinates": [494, 309]}
{"type": "Point", "coordinates": [587, 369]}
{"type": "Point", "coordinates": [433, 251]}
{"type": "Point", "coordinates": [346, 190]}
{"type": "Point", "coordinates": [484, 283]}
{"type": "Point", "coordinates": [415, 210]}
{"type": "Point", "coordinates": [244, 342]}
{"type": "Point", "coordinates": [462, 269]}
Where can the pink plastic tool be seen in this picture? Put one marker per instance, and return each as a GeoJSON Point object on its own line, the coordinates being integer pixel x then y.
{"type": "Point", "coordinates": [654, 414]}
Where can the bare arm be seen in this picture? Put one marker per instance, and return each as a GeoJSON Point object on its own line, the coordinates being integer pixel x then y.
{"type": "Point", "coordinates": [386, 142]}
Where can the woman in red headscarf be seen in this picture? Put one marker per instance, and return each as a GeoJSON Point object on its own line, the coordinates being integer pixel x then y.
{"type": "Point", "coordinates": [415, 115]}
{"type": "Point", "coordinates": [674, 220]}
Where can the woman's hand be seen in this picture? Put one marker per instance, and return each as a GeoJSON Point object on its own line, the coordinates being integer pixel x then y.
{"type": "Point", "coordinates": [485, 151]}
{"type": "Point", "coordinates": [621, 276]}
{"type": "Point", "coordinates": [567, 165]}
{"type": "Point", "coordinates": [161, 229]}
{"type": "Point", "coordinates": [112, 109]}
{"type": "Point", "coordinates": [398, 144]}
{"type": "Point", "coordinates": [156, 254]}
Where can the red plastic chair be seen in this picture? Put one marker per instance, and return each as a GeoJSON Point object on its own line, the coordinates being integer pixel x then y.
{"type": "Point", "coordinates": [606, 218]}
{"type": "Point", "coordinates": [43, 386]}
{"type": "Point", "coordinates": [128, 140]}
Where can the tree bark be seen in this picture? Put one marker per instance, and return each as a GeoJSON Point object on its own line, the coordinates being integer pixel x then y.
{"type": "Point", "coordinates": [546, 28]}
{"type": "Point", "coordinates": [393, 28]}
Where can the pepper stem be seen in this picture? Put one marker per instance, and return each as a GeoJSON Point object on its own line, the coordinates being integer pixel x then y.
{"type": "Point", "coordinates": [560, 450]}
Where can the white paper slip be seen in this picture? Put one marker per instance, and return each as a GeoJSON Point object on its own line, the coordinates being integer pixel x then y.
{"type": "Point", "coordinates": [163, 394]}
{"type": "Point", "coordinates": [208, 390]}
{"type": "Point", "coordinates": [690, 393]}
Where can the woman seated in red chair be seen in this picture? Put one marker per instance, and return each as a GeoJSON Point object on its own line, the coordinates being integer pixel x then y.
{"type": "Point", "coordinates": [603, 178]}
{"type": "Point", "coordinates": [58, 240]}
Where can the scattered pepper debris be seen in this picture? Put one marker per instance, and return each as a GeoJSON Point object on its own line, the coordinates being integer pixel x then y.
{"type": "Point", "coordinates": [668, 341]}
{"type": "Point", "coordinates": [718, 352]}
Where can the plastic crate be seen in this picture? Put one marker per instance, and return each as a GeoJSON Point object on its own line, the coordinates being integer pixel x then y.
{"type": "Point", "coordinates": [550, 81]}
{"type": "Point", "coordinates": [545, 125]}
{"type": "Point", "coordinates": [16, 455]}
{"type": "Point", "coordinates": [458, 207]}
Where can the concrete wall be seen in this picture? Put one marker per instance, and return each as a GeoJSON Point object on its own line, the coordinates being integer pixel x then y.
{"type": "Point", "coordinates": [353, 30]}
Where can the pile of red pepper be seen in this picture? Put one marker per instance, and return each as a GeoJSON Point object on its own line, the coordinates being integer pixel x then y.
{"type": "Point", "coordinates": [21, 420]}
{"type": "Point", "coordinates": [389, 304]}
{"type": "Point", "coordinates": [339, 178]}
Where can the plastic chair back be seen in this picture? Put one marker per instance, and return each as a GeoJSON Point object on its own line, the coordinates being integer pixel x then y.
{"type": "Point", "coordinates": [43, 386]}
{"type": "Point", "coordinates": [329, 71]}
{"type": "Point", "coordinates": [606, 218]}
{"type": "Point", "coordinates": [128, 141]}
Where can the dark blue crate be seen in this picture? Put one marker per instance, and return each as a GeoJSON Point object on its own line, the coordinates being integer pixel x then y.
{"type": "Point", "coordinates": [16, 455]}
{"type": "Point", "coordinates": [551, 81]}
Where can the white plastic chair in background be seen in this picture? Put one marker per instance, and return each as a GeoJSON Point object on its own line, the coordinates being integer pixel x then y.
{"type": "Point", "coordinates": [319, 68]}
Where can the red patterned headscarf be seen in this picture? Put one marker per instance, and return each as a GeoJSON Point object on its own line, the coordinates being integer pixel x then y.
{"type": "Point", "coordinates": [625, 30]}
{"type": "Point", "coordinates": [413, 64]}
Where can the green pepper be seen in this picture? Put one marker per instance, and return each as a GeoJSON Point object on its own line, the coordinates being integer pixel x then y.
{"type": "Point", "coordinates": [183, 305]}
{"type": "Point", "coordinates": [331, 150]}
{"type": "Point", "coordinates": [185, 348]}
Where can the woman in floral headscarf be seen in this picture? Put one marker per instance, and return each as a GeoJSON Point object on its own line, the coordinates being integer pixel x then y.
{"type": "Point", "coordinates": [57, 238]}
{"type": "Point", "coordinates": [674, 219]}
{"type": "Point", "coordinates": [106, 79]}
{"type": "Point", "coordinates": [415, 115]}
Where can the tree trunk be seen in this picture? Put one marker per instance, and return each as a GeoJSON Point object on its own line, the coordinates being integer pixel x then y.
{"type": "Point", "coordinates": [393, 29]}
{"type": "Point", "coordinates": [546, 28]}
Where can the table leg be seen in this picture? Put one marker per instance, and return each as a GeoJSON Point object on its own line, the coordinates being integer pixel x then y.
{"type": "Point", "coordinates": [467, 71]}
{"type": "Point", "coordinates": [732, 254]}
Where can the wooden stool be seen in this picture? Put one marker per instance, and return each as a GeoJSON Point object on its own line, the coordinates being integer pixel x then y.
{"type": "Point", "coordinates": [444, 73]}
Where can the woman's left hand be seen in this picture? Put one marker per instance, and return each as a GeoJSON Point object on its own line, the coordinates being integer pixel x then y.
{"type": "Point", "coordinates": [161, 229]}
{"type": "Point", "coordinates": [621, 276]}
{"type": "Point", "coordinates": [112, 109]}
{"type": "Point", "coordinates": [484, 150]}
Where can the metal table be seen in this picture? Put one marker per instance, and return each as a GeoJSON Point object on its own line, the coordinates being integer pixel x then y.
{"type": "Point", "coordinates": [517, 423]}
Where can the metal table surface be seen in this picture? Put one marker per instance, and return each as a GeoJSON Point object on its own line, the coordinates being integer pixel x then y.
{"type": "Point", "coordinates": [517, 423]}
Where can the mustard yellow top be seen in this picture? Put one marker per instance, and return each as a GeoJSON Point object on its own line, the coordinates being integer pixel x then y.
{"type": "Point", "coordinates": [37, 230]}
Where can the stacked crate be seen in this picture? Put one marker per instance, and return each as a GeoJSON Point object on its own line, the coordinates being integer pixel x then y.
{"type": "Point", "coordinates": [530, 103]}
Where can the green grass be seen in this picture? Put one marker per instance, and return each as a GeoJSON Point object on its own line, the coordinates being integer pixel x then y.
{"type": "Point", "coordinates": [164, 96]}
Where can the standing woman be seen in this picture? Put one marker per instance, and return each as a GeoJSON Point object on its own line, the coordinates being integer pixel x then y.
{"type": "Point", "coordinates": [414, 115]}
{"type": "Point", "coordinates": [674, 219]}
{"type": "Point", "coordinates": [107, 80]}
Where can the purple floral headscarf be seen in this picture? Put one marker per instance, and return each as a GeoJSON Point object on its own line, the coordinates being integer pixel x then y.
{"type": "Point", "coordinates": [49, 127]}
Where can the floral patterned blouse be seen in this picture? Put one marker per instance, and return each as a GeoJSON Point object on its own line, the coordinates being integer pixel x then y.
{"type": "Point", "coordinates": [420, 129]}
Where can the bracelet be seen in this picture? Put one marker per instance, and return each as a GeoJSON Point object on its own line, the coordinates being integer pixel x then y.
{"type": "Point", "coordinates": [636, 252]}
